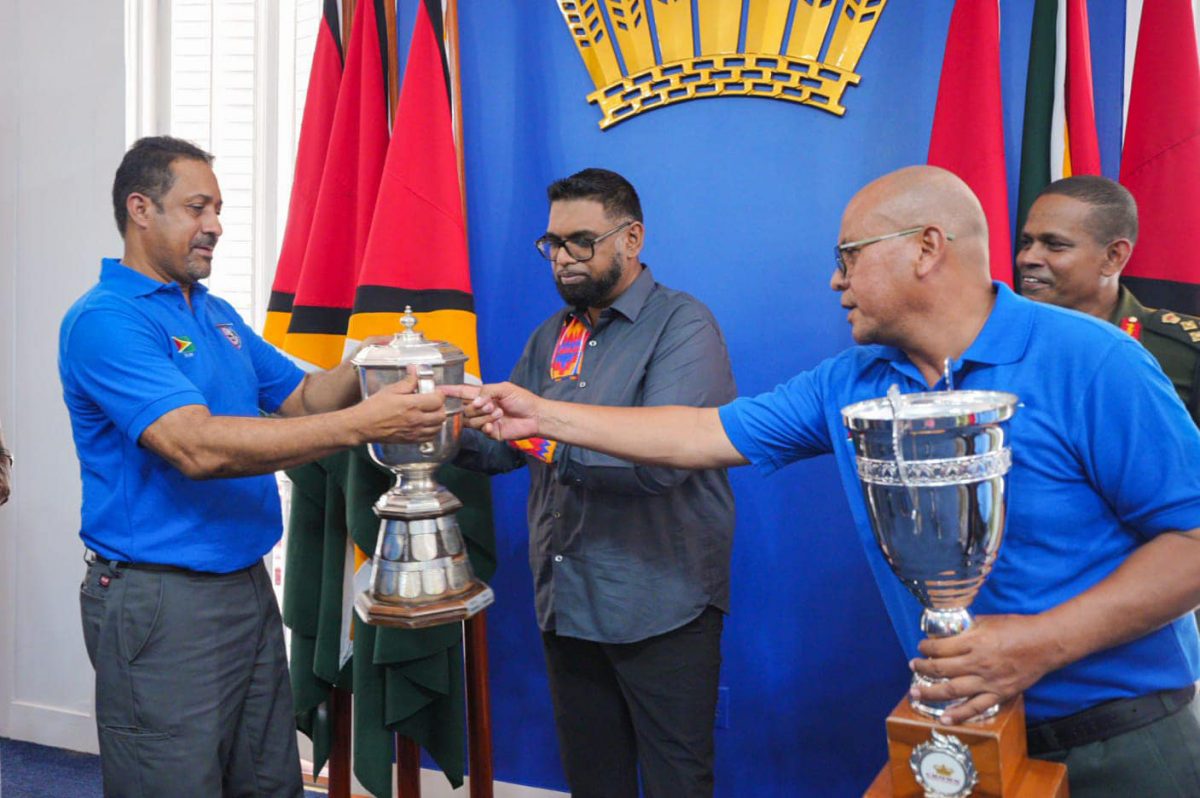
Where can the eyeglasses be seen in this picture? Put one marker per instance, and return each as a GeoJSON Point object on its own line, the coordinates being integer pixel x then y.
{"type": "Point", "coordinates": [841, 250]}
{"type": "Point", "coordinates": [579, 247]}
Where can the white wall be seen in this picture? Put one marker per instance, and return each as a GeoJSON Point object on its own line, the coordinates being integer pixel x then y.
{"type": "Point", "coordinates": [62, 121]}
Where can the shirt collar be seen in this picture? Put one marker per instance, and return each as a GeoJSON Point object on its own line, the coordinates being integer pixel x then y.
{"type": "Point", "coordinates": [1003, 339]}
{"type": "Point", "coordinates": [630, 303]}
{"type": "Point", "coordinates": [1127, 305]}
{"type": "Point", "coordinates": [124, 280]}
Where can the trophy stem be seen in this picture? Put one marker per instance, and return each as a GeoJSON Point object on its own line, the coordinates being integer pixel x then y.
{"type": "Point", "coordinates": [945, 622]}
{"type": "Point", "coordinates": [938, 623]}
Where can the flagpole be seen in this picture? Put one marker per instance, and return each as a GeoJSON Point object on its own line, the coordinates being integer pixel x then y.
{"type": "Point", "coordinates": [456, 100]}
{"type": "Point", "coordinates": [393, 59]}
{"type": "Point", "coordinates": [408, 752]}
{"type": "Point", "coordinates": [341, 702]}
{"type": "Point", "coordinates": [475, 645]}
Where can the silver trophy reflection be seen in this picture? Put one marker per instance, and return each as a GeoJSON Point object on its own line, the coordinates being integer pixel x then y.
{"type": "Point", "coordinates": [420, 575]}
{"type": "Point", "coordinates": [933, 470]}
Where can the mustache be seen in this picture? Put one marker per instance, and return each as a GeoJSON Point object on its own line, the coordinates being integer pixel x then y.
{"type": "Point", "coordinates": [208, 240]}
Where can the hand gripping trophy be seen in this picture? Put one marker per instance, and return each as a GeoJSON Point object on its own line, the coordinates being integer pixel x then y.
{"type": "Point", "coordinates": [933, 468]}
{"type": "Point", "coordinates": [420, 575]}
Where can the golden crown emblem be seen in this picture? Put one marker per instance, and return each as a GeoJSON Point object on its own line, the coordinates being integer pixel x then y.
{"type": "Point", "coordinates": [646, 54]}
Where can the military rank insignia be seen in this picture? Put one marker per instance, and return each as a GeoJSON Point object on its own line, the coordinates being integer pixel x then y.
{"type": "Point", "coordinates": [1133, 326]}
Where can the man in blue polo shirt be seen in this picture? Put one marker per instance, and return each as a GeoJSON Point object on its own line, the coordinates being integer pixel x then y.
{"type": "Point", "coordinates": [167, 390]}
{"type": "Point", "coordinates": [1088, 609]}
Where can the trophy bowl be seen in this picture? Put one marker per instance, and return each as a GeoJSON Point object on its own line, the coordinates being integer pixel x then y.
{"type": "Point", "coordinates": [933, 471]}
{"type": "Point", "coordinates": [420, 574]}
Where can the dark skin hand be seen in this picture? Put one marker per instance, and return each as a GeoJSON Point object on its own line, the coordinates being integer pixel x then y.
{"type": "Point", "coordinates": [1002, 655]}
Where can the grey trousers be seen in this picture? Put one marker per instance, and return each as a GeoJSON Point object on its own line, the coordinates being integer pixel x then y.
{"type": "Point", "coordinates": [1161, 760]}
{"type": "Point", "coordinates": [192, 690]}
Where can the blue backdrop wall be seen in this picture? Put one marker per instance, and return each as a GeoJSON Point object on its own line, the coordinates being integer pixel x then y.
{"type": "Point", "coordinates": [742, 199]}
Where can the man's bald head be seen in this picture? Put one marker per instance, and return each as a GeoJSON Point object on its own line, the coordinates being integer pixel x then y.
{"type": "Point", "coordinates": [924, 195]}
{"type": "Point", "coordinates": [913, 264]}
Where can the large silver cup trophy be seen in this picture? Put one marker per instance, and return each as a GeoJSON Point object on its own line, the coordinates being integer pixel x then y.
{"type": "Point", "coordinates": [420, 575]}
{"type": "Point", "coordinates": [933, 470]}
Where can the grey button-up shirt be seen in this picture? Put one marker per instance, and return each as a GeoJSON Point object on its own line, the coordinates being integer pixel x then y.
{"type": "Point", "coordinates": [621, 552]}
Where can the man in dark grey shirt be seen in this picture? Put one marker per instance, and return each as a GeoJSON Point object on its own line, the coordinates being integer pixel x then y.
{"type": "Point", "coordinates": [630, 562]}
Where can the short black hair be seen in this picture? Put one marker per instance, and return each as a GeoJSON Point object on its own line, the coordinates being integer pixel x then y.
{"type": "Point", "coordinates": [146, 169]}
{"type": "Point", "coordinates": [617, 194]}
{"type": "Point", "coordinates": [1114, 210]}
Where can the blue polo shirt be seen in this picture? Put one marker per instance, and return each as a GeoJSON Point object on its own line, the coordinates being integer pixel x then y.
{"type": "Point", "coordinates": [131, 350]}
{"type": "Point", "coordinates": [1103, 460]}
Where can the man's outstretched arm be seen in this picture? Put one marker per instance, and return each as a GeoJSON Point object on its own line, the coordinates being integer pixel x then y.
{"type": "Point", "coordinates": [1005, 654]}
{"type": "Point", "coordinates": [682, 437]}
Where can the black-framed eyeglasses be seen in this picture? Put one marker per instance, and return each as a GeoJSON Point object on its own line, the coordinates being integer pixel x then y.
{"type": "Point", "coordinates": [840, 251]}
{"type": "Point", "coordinates": [579, 247]}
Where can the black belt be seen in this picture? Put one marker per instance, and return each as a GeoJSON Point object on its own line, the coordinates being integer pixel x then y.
{"type": "Point", "coordinates": [144, 566]}
{"type": "Point", "coordinates": [1106, 720]}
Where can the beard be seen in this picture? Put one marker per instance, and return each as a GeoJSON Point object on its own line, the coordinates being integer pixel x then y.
{"type": "Point", "coordinates": [591, 292]}
{"type": "Point", "coordinates": [195, 266]}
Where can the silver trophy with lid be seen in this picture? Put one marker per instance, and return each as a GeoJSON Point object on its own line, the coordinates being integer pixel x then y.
{"type": "Point", "coordinates": [420, 575]}
{"type": "Point", "coordinates": [933, 470]}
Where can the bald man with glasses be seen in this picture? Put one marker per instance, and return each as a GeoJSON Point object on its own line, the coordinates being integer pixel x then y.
{"type": "Point", "coordinates": [630, 562]}
{"type": "Point", "coordinates": [1087, 612]}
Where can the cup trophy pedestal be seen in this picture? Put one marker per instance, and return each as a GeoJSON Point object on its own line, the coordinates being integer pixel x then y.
{"type": "Point", "coordinates": [933, 471]}
{"type": "Point", "coordinates": [420, 574]}
{"type": "Point", "coordinates": [996, 748]}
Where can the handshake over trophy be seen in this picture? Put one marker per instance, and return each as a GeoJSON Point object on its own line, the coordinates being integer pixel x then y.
{"type": "Point", "coordinates": [420, 575]}
{"type": "Point", "coordinates": [933, 468]}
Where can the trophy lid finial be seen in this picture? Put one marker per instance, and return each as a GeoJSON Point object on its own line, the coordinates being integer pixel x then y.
{"type": "Point", "coordinates": [408, 321]}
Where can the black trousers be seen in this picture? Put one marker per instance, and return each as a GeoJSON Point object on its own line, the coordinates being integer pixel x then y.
{"type": "Point", "coordinates": [649, 704]}
{"type": "Point", "coordinates": [192, 690]}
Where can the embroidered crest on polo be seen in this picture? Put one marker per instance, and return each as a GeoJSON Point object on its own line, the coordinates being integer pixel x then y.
{"type": "Point", "coordinates": [231, 335]}
{"type": "Point", "coordinates": [183, 345]}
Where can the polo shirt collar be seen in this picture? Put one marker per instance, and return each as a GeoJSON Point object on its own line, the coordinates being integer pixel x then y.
{"type": "Point", "coordinates": [1003, 339]}
{"type": "Point", "coordinates": [118, 277]}
{"type": "Point", "coordinates": [630, 303]}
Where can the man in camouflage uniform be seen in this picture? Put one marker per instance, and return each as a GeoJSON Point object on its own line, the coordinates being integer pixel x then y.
{"type": "Point", "coordinates": [1079, 235]}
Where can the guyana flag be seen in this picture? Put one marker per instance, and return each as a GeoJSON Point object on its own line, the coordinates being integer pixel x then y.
{"type": "Point", "coordinates": [968, 123]}
{"type": "Point", "coordinates": [1160, 161]}
{"type": "Point", "coordinates": [1059, 136]}
{"type": "Point", "coordinates": [409, 250]}
{"type": "Point", "coordinates": [345, 197]}
{"type": "Point", "coordinates": [324, 240]}
{"type": "Point", "coordinates": [315, 129]}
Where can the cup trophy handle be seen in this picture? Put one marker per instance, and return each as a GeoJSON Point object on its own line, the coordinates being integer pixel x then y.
{"type": "Point", "coordinates": [426, 384]}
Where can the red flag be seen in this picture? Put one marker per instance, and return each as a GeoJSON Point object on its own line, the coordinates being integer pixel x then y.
{"type": "Point", "coordinates": [1083, 144]}
{"type": "Point", "coordinates": [315, 128]}
{"type": "Point", "coordinates": [1160, 164]}
{"type": "Point", "coordinates": [417, 252]}
{"type": "Point", "coordinates": [346, 198]}
{"type": "Point", "coordinates": [968, 124]}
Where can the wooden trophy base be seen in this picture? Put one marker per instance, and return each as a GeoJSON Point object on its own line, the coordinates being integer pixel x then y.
{"type": "Point", "coordinates": [418, 616]}
{"type": "Point", "coordinates": [997, 750]}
